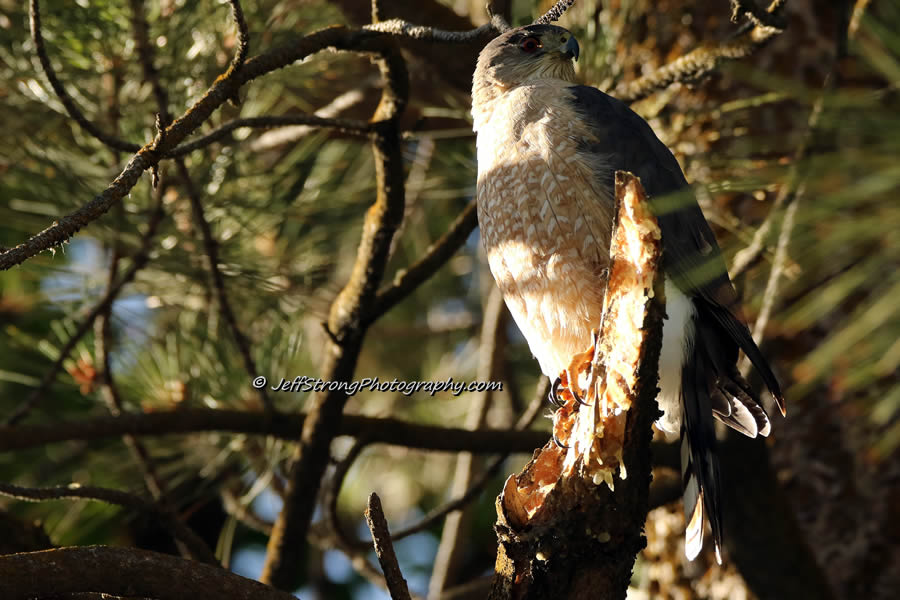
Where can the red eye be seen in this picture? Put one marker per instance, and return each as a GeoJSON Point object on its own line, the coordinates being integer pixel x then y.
{"type": "Point", "coordinates": [530, 44]}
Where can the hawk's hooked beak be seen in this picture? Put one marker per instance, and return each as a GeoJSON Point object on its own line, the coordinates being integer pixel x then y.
{"type": "Point", "coordinates": [570, 48]}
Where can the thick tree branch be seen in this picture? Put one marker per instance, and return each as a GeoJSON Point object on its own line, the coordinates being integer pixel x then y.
{"type": "Point", "coordinates": [286, 426]}
{"type": "Point", "coordinates": [346, 324]}
{"type": "Point", "coordinates": [123, 572]}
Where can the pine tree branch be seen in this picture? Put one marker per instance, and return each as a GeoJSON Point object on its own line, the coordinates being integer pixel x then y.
{"type": "Point", "coordinates": [285, 426]}
{"type": "Point", "coordinates": [347, 325]}
{"type": "Point", "coordinates": [123, 572]}
{"type": "Point", "coordinates": [406, 281]}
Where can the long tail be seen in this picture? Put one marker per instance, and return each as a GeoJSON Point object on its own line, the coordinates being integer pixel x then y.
{"type": "Point", "coordinates": [699, 463]}
{"type": "Point", "coordinates": [712, 387]}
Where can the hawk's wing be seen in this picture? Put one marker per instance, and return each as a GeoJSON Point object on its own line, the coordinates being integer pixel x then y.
{"type": "Point", "coordinates": [615, 138]}
{"type": "Point", "coordinates": [623, 140]}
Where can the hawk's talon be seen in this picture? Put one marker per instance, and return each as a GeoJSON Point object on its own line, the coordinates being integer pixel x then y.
{"type": "Point", "coordinates": [578, 398]}
{"type": "Point", "coordinates": [553, 397]}
{"type": "Point", "coordinates": [559, 443]}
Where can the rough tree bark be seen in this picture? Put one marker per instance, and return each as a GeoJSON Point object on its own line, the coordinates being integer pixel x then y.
{"type": "Point", "coordinates": [570, 525]}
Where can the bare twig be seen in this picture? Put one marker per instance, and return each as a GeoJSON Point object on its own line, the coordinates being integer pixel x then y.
{"type": "Point", "coordinates": [384, 549]}
{"type": "Point", "coordinates": [787, 227]}
{"type": "Point", "coordinates": [236, 508]}
{"type": "Point", "coordinates": [179, 530]}
{"type": "Point", "coordinates": [140, 259]}
{"type": "Point", "coordinates": [556, 12]}
{"type": "Point", "coordinates": [525, 421]}
{"type": "Point", "coordinates": [145, 158]}
{"type": "Point", "coordinates": [284, 426]}
{"type": "Point", "coordinates": [338, 535]}
{"type": "Point", "coordinates": [211, 247]}
{"type": "Point", "coordinates": [447, 559]}
{"type": "Point", "coordinates": [744, 258]}
{"type": "Point", "coordinates": [409, 279]}
{"type": "Point", "coordinates": [477, 486]}
{"type": "Point", "coordinates": [243, 32]}
{"type": "Point", "coordinates": [37, 37]}
{"type": "Point", "coordinates": [125, 572]}
{"type": "Point", "coordinates": [701, 61]}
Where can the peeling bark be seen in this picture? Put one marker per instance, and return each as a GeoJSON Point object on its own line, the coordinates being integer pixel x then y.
{"type": "Point", "coordinates": [570, 525]}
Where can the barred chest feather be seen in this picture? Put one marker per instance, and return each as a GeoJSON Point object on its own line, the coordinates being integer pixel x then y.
{"type": "Point", "coordinates": [545, 215]}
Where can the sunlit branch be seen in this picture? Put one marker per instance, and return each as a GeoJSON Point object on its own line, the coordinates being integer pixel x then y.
{"type": "Point", "coordinates": [384, 549]}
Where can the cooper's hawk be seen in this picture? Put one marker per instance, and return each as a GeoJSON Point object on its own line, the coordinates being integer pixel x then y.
{"type": "Point", "coordinates": [548, 150]}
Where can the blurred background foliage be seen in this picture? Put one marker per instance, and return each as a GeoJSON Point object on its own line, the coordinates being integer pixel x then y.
{"type": "Point", "coordinates": [287, 205]}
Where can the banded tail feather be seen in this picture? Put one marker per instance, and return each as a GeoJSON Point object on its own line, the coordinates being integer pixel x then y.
{"type": "Point", "coordinates": [711, 386]}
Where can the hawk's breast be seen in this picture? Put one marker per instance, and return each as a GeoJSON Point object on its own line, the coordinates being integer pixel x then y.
{"type": "Point", "coordinates": [545, 214]}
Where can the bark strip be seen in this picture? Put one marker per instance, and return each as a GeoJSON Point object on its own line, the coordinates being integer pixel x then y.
{"type": "Point", "coordinates": [570, 525]}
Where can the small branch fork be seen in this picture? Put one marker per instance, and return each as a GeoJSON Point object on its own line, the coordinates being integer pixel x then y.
{"type": "Point", "coordinates": [374, 38]}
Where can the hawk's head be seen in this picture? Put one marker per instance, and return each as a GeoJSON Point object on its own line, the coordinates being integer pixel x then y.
{"type": "Point", "coordinates": [523, 54]}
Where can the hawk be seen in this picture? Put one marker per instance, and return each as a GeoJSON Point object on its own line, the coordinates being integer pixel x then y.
{"type": "Point", "coordinates": [548, 150]}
